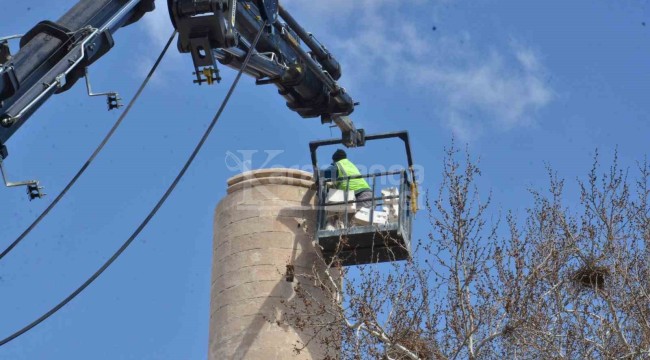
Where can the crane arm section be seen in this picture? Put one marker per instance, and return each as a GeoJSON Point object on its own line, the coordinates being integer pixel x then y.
{"type": "Point", "coordinates": [220, 31]}
{"type": "Point", "coordinates": [54, 55]}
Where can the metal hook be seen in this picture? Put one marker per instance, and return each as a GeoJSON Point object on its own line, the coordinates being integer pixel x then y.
{"type": "Point", "coordinates": [113, 99]}
{"type": "Point", "coordinates": [33, 186]}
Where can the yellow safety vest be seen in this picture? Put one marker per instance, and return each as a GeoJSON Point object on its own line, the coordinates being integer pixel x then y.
{"type": "Point", "coordinates": [346, 168]}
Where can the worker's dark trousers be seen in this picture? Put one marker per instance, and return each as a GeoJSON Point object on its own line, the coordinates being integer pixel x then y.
{"type": "Point", "coordinates": [365, 198]}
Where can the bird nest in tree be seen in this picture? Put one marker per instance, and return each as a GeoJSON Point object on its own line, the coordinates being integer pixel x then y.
{"type": "Point", "coordinates": [591, 276]}
{"type": "Point", "coordinates": [508, 330]}
{"type": "Point", "coordinates": [414, 343]}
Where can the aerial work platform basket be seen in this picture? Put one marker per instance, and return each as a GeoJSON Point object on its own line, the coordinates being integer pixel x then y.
{"type": "Point", "coordinates": [354, 235]}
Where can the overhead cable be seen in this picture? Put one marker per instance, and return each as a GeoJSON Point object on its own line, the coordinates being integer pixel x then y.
{"type": "Point", "coordinates": [153, 212]}
{"type": "Point", "coordinates": [92, 157]}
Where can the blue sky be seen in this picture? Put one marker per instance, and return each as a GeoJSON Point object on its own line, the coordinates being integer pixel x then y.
{"type": "Point", "coordinates": [524, 84]}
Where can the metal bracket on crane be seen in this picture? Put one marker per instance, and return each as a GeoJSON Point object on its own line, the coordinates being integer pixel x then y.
{"type": "Point", "coordinates": [204, 25]}
{"type": "Point", "coordinates": [352, 137]}
{"type": "Point", "coordinates": [268, 10]}
{"type": "Point", "coordinates": [33, 186]}
{"type": "Point", "coordinates": [5, 51]}
{"type": "Point", "coordinates": [113, 99]}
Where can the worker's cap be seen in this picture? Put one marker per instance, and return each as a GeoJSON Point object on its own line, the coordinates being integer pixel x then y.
{"type": "Point", "coordinates": [339, 155]}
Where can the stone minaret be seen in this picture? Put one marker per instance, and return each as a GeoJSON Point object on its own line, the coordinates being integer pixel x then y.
{"type": "Point", "coordinates": [264, 224]}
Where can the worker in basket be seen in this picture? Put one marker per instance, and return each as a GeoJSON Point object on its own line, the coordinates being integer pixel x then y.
{"type": "Point", "coordinates": [342, 168]}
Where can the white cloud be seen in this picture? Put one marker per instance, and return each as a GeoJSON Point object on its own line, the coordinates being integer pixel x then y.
{"type": "Point", "coordinates": [158, 28]}
{"type": "Point", "coordinates": [508, 92]}
{"type": "Point", "coordinates": [158, 25]}
{"type": "Point", "coordinates": [477, 90]}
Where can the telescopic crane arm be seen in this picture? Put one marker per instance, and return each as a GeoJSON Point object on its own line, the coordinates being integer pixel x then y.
{"type": "Point", "coordinates": [307, 80]}
{"type": "Point", "coordinates": [54, 55]}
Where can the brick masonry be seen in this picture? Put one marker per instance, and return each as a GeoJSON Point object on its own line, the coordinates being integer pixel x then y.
{"type": "Point", "coordinates": [264, 224]}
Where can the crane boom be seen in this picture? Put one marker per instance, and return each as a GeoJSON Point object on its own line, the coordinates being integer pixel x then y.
{"type": "Point", "coordinates": [54, 55]}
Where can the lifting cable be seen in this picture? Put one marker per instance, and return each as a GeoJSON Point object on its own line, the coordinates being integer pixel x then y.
{"type": "Point", "coordinates": [153, 212]}
{"type": "Point", "coordinates": [94, 154]}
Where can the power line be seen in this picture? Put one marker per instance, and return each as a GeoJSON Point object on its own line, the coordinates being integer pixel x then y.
{"type": "Point", "coordinates": [153, 212]}
{"type": "Point", "coordinates": [92, 157]}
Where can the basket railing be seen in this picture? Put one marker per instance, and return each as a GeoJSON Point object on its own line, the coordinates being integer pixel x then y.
{"type": "Point", "coordinates": [403, 196]}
